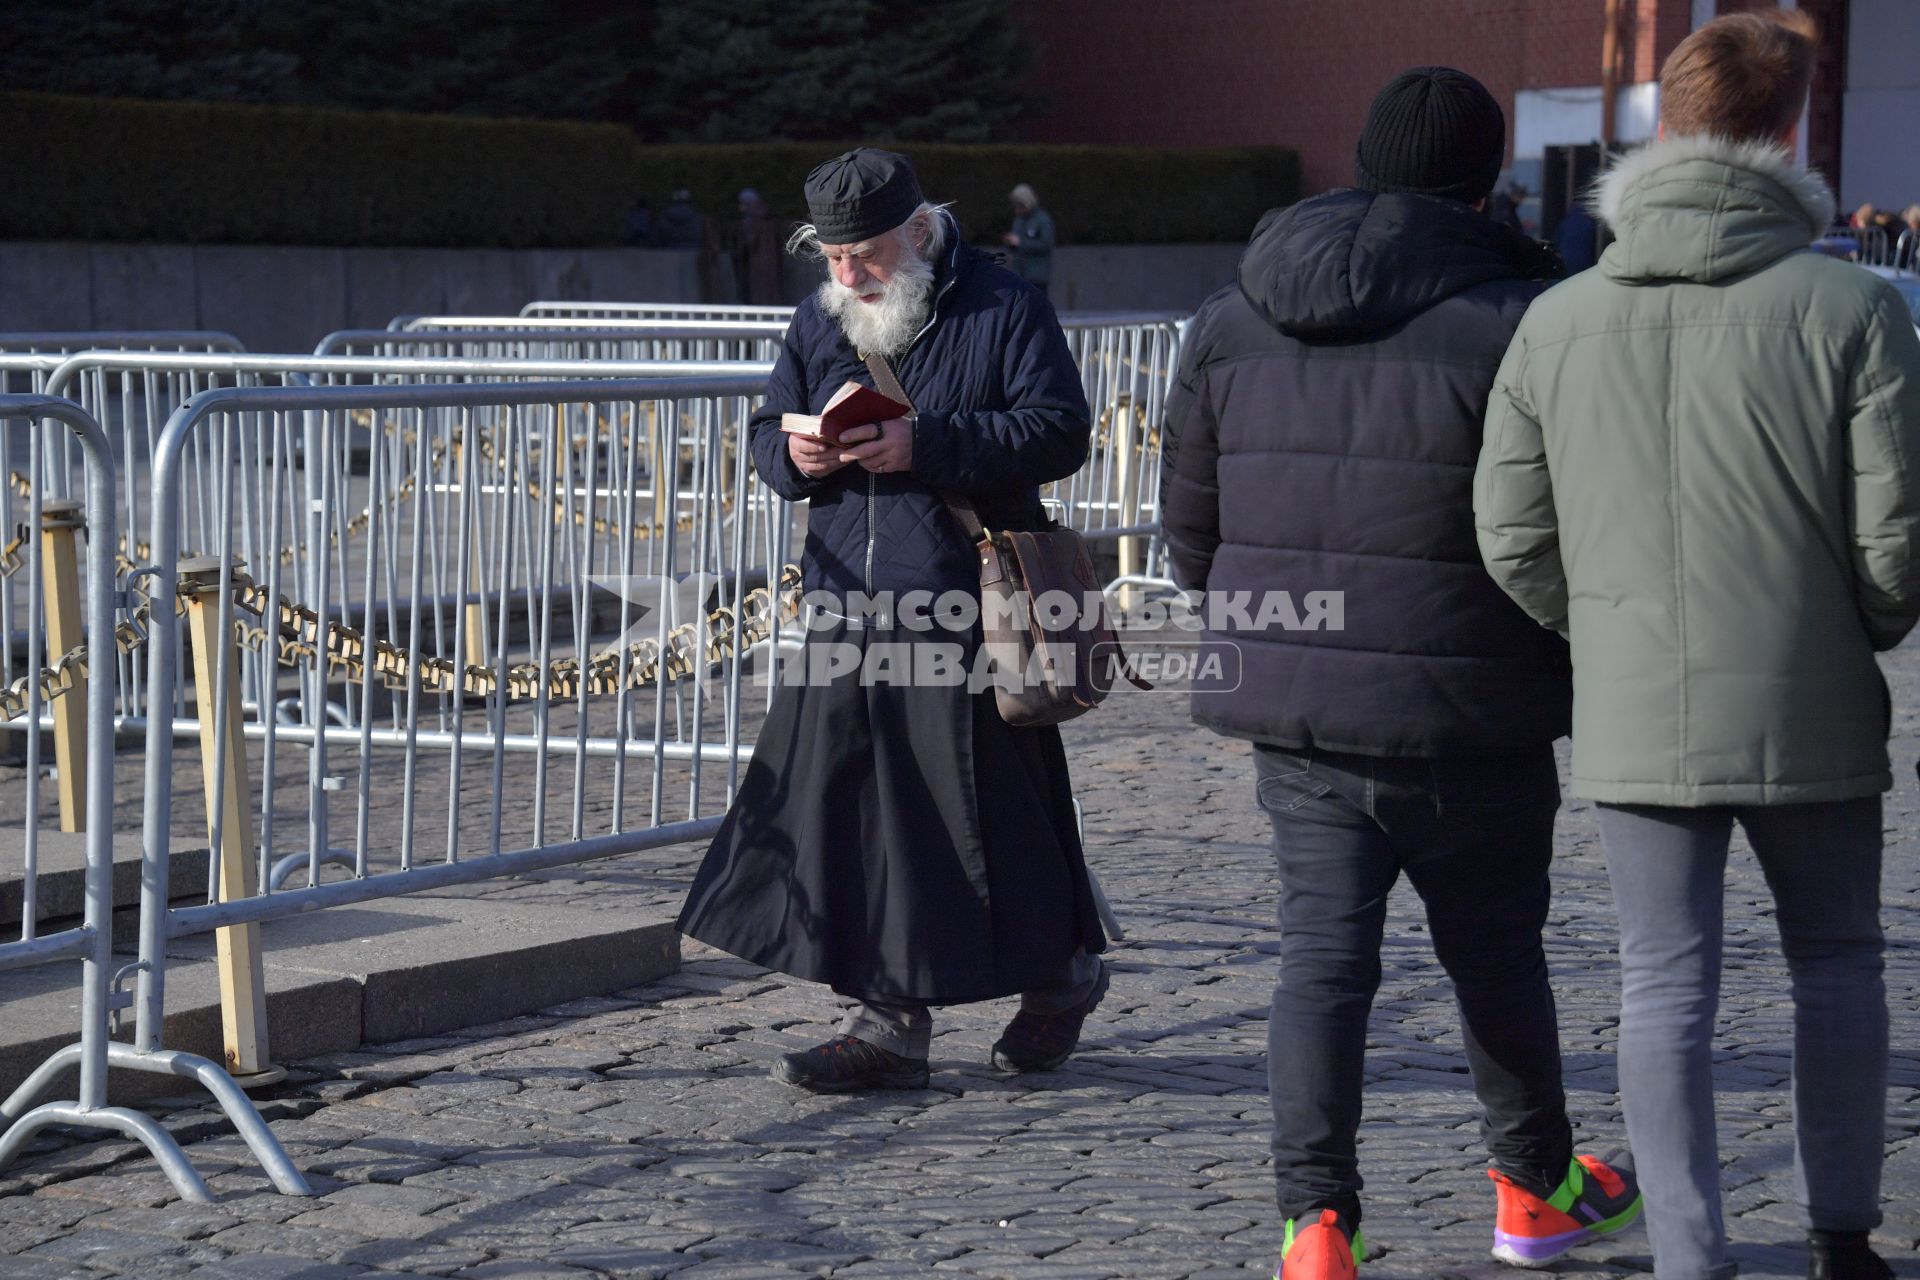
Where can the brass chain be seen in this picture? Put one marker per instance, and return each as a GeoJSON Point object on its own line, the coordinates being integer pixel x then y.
{"type": "Point", "coordinates": [298, 634]}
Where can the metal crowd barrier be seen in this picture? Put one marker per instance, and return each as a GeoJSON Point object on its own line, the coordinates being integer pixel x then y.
{"type": "Point", "coordinates": [1127, 364]}
{"type": "Point", "coordinates": [664, 340]}
{"type": "Point", "coordinates": [774, 327]}
{"type": "Point", "coordinates": [613, 723]}
{"type": "Point", "coordinates": [1127, 361]}
{"type": "Point", "coordinates": [26, 358]}
{"type": "Point", "coordinates": [54, 592]}
{"type": "Point", "coordinates": [134, 392]}
{"type": "Point", "coordinates": [652, 311]}
{"type": "Point", "coordinates": [1875, 249]}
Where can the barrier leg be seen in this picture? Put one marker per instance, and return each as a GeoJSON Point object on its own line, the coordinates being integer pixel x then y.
{"type": "Point", "coordinates": [665, 470]}
{"type": "Point", "coordinates": [1124, 420]}
{"type": "Point", "coordinates": [142, 1128]}
{"type": "Point", "coordinates": [243, 990]}
{"type": "Point", "coordinates": [59, 523]}
{"type": "Point", "coordinates": [476, 623]}
{"type": "Point", "coordinates": [239, 1108]}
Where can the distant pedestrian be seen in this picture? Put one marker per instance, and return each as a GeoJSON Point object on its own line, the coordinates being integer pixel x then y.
{"type": "Point", "coordinates": [1321, 439]}
{"type": "Point", "coordinates": [1504, 208]}
{"type": "Point", "coordinates": [636, 229]}
{"type": "Point", "coordinates": [757, 260]}
{"type": "Point", "coordinates": [1031, 239]}
{"type": "Point", "coordinates": [1702, 465]}
{"type": "Point", "coordinates": [1577, 238]}
{"type": "Point", "coordinates": [682, 226]}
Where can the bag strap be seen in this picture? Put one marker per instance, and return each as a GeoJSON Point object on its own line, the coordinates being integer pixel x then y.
{"type": "Point", "coordinates": [888, 385]}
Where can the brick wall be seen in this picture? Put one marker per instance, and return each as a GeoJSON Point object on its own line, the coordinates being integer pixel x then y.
{"type": "Point", "coordinates": [1301, 72]}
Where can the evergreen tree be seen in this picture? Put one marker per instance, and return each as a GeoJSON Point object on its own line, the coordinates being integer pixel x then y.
{"type": "Point", "coordinates": [680, 70]}
{"type": "Point", "coordinates": [747, 70]}
{"type": "Point", "coordinates": [202, 49]}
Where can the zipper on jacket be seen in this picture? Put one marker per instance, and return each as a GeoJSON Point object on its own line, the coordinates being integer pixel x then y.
{"type": "Point", "coordinates": [933, 314]}
{"type": "Point", "coordinates": [869, 535]}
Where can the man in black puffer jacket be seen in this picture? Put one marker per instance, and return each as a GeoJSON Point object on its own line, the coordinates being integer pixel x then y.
{"type": "Point", "coordinates": [1322, 438]}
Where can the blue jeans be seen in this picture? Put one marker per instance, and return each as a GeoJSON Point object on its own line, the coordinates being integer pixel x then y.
{"type": "Point", "coordinates": [1475, 838]}
{"type": "Point", "coordinates": [1822, 862]}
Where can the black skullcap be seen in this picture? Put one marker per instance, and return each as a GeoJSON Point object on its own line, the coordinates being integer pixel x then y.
{"type": "Point", "coordinates": [861, 194]}
{"type": "Point", "coordinates": [1435, 131]}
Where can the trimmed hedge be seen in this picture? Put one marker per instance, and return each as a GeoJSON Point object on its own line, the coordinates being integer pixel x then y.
{"type": "Point", "coordinates": [77, 168]}
{"type": "Point", "coordinates": [1096, 195]}
{"type": "Point", "coordinates": [211, 173]}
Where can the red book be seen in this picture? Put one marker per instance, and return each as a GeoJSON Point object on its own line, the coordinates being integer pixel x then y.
{"type": "Point", "coordinates": [851, 406]}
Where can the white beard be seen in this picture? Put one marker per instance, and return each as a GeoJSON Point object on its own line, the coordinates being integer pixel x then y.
{"type": "Point", "coordinates": [889, 326]}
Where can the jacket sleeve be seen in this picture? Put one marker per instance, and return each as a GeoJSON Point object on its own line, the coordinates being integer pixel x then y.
{"type": "Point", "coordinates": [1036, 235]}
{"type": "Point", "coordinates": [1513, 511]}
{"type": "Point", "coordinates": [1883, 473]}
{"type": "Point", "coordinates": [1189, 472]}
{"type": "Point", "coordinates": [786, 393]}
{"type": "Point", "coordinates": [1042, 433]}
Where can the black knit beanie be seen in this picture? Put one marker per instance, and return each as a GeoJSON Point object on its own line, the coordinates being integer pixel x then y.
{"type": "Point", "coordinates": [1435, 131]}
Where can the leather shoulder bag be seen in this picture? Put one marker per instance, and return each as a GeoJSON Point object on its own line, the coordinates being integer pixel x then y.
{"type": "Point", "coordinates": [1047, 668]}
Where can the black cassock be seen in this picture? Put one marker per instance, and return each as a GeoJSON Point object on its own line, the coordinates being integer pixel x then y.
{"type": "Point", "coordinates": [899, 843]}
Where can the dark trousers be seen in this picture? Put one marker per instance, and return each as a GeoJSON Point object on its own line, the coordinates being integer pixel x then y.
{"type": "Point", "coordinates": [1475, 838]}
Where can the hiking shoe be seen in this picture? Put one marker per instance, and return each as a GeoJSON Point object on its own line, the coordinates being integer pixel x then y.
{"type": "Point", "coordinates": [1321, 1250]}
{"type": "Point", "coordinates": [848, 1064]}
{"type": "Point", "coordinates": [1042, 1041]}
{"type": "Point", "coordinates": [1596, 1198]}
{"type": "Point", "coordinates": [1844, 1255]}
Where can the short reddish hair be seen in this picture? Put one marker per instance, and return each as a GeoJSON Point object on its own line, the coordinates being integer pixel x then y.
{"type": "Point", "coordinates": [1743, 76]}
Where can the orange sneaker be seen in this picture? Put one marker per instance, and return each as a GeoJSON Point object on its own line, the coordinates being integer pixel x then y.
{"type": "Point", "coordinates": [1321, 1250]}
{"type": "Point", "coordinates": [1594, 1199]}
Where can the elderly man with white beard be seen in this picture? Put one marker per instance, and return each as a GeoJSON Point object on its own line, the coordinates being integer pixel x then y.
{"type": "Point", "coordinates": [893, 839]}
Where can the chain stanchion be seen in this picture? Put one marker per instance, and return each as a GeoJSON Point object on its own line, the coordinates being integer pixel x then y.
{"type": "Point", "coordinates": [60, 522]}
{"type": "Point", "coordinates": [223, 765]}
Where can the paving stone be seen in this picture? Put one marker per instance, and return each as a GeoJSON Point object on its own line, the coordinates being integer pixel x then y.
{"type": "Point", "coordinates": [366, 1220]}
{"type": "Point", "coordinates": [629, 1262]}
{"type": "Point", "coordinates": [177, 1221]}
{"type": "Point", "coordinates": [417, 1257]}
{"type": "Point", "coordinates": [400, 1199]}
{"type": "Point", "coordinates": [280, 1237]}
{"type": "Point", "coordinates": [270, 1267]}
{"type": "Point", "coordinates": [29, 1267]}
{"type": "Point", "coordinates": [523, 1269]}
{"type": "Point", "coordinates": [118, 1250]}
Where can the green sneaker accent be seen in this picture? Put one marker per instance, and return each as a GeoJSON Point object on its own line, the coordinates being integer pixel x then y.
{"type": "Point", "coordinates": [1570, 1188]}
{"type": "Point", "coordinates": [1575, 1185]}
{"type": "Point", "coordinates": [1357, 1242]}
{"type": "Point", "coordinates": [1619, 1220]}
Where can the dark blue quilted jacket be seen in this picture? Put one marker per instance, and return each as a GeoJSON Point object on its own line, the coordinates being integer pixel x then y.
{"type": "Point", "coordinates": [1001, 411]}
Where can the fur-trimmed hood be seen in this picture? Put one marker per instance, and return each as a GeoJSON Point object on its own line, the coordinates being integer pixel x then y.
{"type": "Point", "coordinates": [1703, 208]}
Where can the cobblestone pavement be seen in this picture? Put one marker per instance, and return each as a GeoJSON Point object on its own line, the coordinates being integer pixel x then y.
{"type": "Point", "coordinates": [639, 1136]}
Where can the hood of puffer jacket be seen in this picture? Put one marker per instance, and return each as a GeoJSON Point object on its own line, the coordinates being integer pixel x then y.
{"type": "Point", "coordinates": [1705, 208]}
{"type": "Point", "coordinates": [1351, 263]}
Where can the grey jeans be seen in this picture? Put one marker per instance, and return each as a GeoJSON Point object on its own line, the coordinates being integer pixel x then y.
{"type": "Point", "coordinates": [1822, 863]}
{"type": "Point", "coordinates": [907, 1029]}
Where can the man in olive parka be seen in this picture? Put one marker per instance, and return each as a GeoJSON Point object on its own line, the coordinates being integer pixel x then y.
{"type": "Point", "coordinates": [1699, 466]}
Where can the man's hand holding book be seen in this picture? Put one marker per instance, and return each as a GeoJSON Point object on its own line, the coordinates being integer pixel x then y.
{"type": "Point", "coordinates": [858, 425]}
